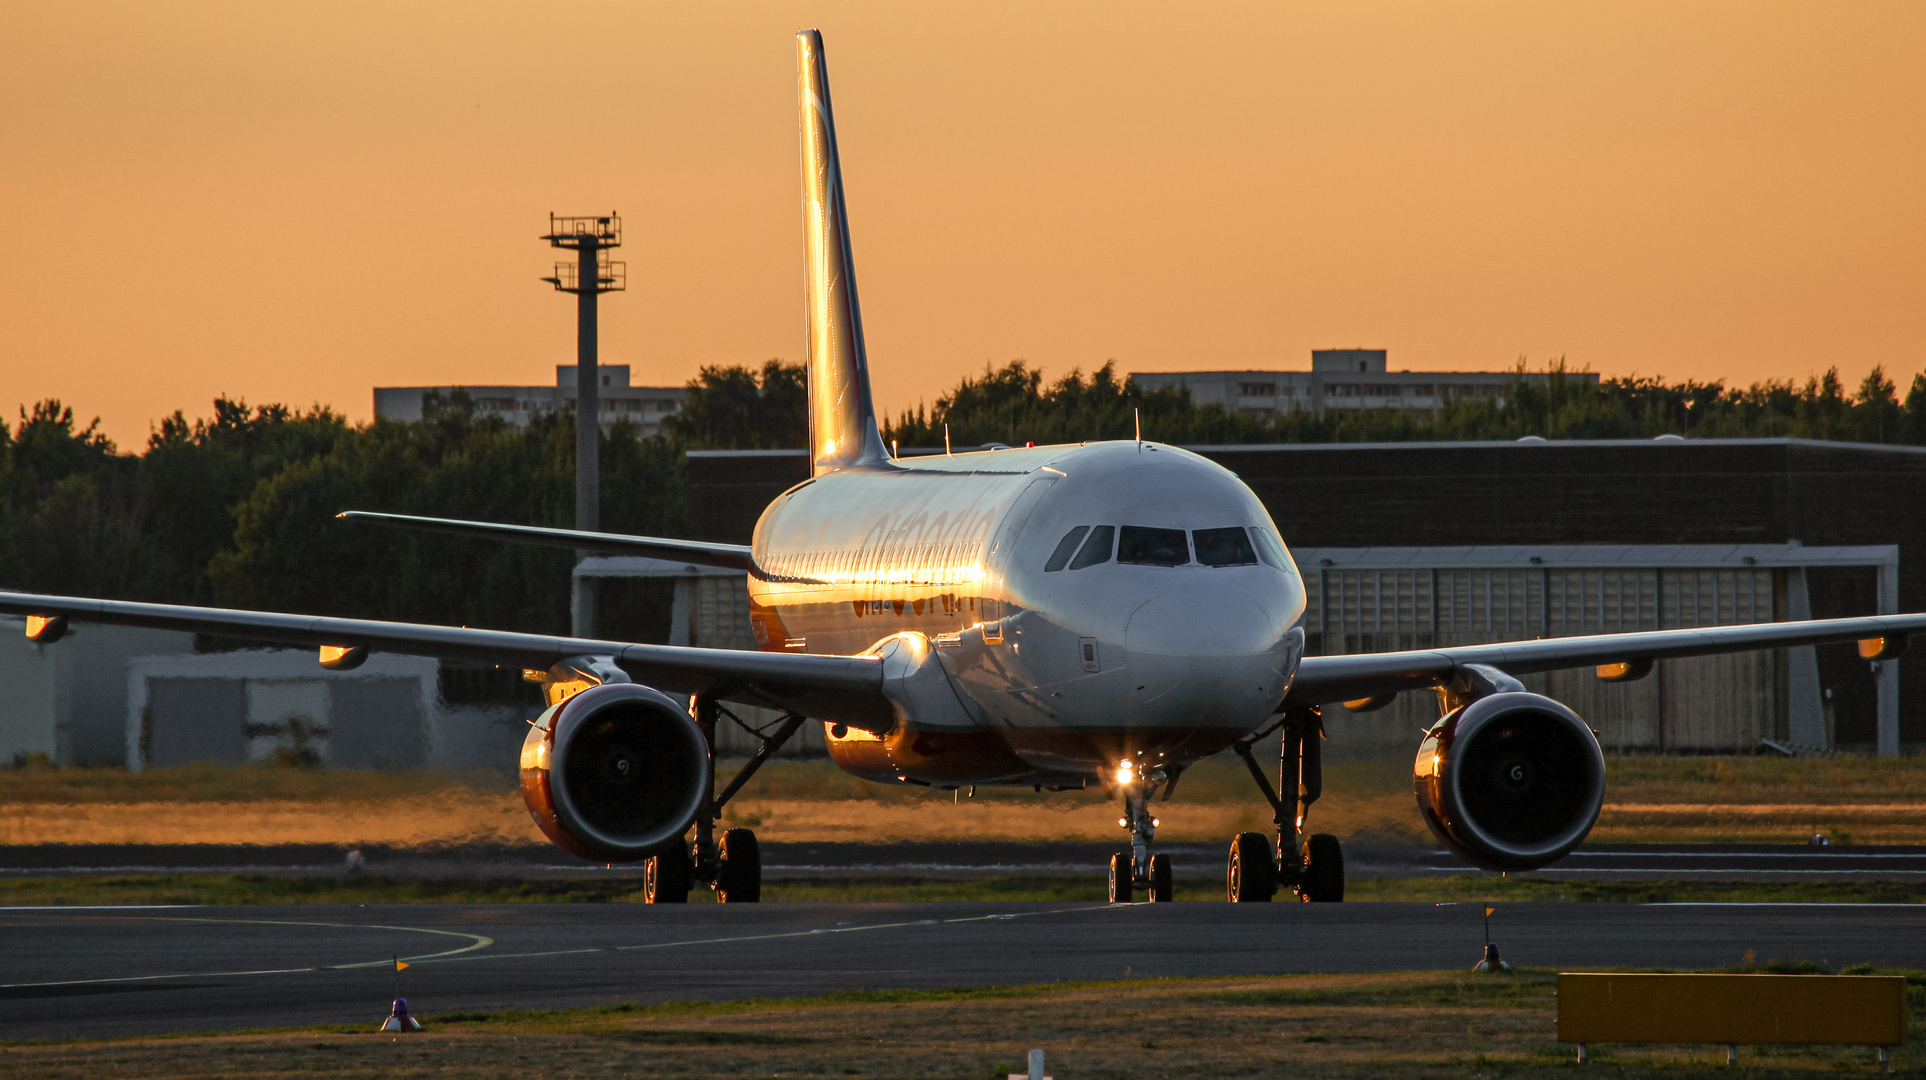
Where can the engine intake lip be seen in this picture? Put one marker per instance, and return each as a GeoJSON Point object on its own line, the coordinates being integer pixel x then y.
{"type": "Point", "coordinates": [1524, 779]}
{"type": "Point", "coordinates": [628, 769]}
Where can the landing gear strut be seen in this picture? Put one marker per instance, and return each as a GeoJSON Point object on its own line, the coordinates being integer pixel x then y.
{"type": "Point", "coordinates": [732, 867]}
{"type": "Point", "coordinates": [1137, 868]}
{"type": "Point", "coordinates": [1310, 866]}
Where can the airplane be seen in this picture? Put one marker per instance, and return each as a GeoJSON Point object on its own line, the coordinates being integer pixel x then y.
{"type": "Point", "coordinates": [1103, 613]}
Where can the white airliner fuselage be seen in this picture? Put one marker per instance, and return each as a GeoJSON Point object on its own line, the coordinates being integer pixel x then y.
{"type": "Point", "coordinates": [1175, 633]}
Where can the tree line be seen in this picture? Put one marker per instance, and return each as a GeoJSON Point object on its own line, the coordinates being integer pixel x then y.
{"type": "Point", "coordinates": [239, 508]}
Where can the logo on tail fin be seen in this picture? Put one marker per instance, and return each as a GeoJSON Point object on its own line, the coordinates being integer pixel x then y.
{"type": "Point", "coordinates": [842, 420]}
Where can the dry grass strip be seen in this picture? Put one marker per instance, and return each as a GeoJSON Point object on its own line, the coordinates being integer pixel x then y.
{"type": "Point", "coordinates": [1650, 800]}
{"type": "Point", "coordinates": [1424, 1024]}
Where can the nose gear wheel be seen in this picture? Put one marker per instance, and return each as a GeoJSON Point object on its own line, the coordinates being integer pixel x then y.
{"type": "Point", "coordinates": [1310, 866]}
{"type": "Point", "coordinates": [1137, 869]}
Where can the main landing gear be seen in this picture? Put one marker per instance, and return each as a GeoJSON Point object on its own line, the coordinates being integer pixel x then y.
{"type": "Point", "coordinates": [1311, 866]}
{"type": "Point", "coordinates": [732, 866]}
{"type": "Point", "coordinates": [1137, 869]}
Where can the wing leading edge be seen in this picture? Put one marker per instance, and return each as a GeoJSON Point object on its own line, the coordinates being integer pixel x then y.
{"type": "Point", "coordinates": [701, 553]}
{"type": "Point", "coordinates": [836, 688]}
{"type": "Point", "coordinates": [1324, 679]}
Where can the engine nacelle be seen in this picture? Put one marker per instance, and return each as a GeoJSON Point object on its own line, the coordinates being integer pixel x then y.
{"type": "Point", "coordinates": [1511, 781]}
{"type": "Point", "coordinates": [616, 773]}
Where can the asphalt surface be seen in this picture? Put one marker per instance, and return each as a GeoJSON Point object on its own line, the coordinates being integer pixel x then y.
{"type": "Point", "coordinates": [1194, 862]}
{"type": "Point", "coordinates": [118, 971]}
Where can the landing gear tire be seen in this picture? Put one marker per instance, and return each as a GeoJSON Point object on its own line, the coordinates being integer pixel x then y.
{"type": "Point", "coordinates": [1251, 877]}
{"type": "Point", "coordinates": [1161, 890]}
{"type": "Point", "coordinates": [1323, 880]}
{"type": "Point", "coordinates": [666, 877]}
{"type": "Point", "coordinates": [739, 868]}
{"type": "Point", "coordinates": [1120, 879]}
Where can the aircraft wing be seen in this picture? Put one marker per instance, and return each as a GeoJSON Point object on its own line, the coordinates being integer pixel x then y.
{"type": "Point", "coordinates": [1324, 679]}
{"type": "Point", "coordinates": [732, 556]}
{"type": "Point", "coordinates": [848, 689]}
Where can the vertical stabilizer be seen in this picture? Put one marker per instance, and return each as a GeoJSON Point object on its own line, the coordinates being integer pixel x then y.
{"type": "Point", "coordinates": [842, 420]}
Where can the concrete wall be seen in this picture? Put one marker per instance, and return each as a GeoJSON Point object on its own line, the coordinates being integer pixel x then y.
{"type": "Point", "coordinates": [260, 705]}
{"type": "Point", "coordinates": [69, 700]}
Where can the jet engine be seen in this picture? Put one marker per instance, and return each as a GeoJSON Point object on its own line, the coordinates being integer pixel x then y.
{"type": "Point", "coordinates": [1511, 781]}
{"type": "Point", "coordinates": [616, 773]}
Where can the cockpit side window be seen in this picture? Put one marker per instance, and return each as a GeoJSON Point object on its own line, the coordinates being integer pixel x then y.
{"type": "Point", "coordinates": [1096, 549]}
{"type": "Point", "coordinates": [1153, 547]}
{"type": "Point", "coordinates": [1066, 547]}
{"type": "Point", "coordinates": [1224, 547]}
{"type": "Point", "coordinates": [1271, 549]}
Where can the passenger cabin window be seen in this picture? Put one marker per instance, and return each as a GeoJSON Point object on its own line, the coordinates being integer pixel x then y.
{"type": "Point", "coordinates": [1224, 547]}
{"type": "Point", "coordinates": [1271, 549]}
{"type": "Point", "coordinates": [1153, 547]}
{"type": "Point", "coordinates": [1066, 547]}
{"type": "Point", "coordinates": [1096, 549]}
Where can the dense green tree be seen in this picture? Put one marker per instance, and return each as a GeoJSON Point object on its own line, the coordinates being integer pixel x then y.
{"type": "Point", "coordinates": [291, 554]}
{"type": "Point", "coordinates": [734, 408]}
{"type": "Point", "coordinates": [239, 508]}
{"type": "Point", "coordinates": [1011, 405]}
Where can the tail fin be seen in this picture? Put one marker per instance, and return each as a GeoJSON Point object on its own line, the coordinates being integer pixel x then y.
{"type": "Point", "coordinates": [842, 419]}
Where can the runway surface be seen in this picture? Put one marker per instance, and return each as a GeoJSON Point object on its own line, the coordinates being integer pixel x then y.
{"type": "Point", "coordinates": [117, 971]}
{"type": "Point", "coordinates": [1195, 862]}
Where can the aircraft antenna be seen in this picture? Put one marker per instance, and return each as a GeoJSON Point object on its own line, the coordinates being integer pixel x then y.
{"type": "Point", "coordinates": [589, 276]}
{"type": "Point", "coordinates": [946, 440]}
{"type": "Point", "coordinates": [1137, 415]}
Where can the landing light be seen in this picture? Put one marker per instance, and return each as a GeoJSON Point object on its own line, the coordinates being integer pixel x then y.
{"type": "Point", "coordinates": [1882, 648]}
{"type": "Point", "coordinates": [343, 657]}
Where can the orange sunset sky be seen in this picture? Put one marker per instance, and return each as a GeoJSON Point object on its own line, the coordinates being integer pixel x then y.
{"type": "Point", "coordinates": [299, 201]}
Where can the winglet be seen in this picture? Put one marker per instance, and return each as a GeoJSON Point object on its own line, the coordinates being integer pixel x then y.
{"type": "Point", "coordinates": [842, 419]}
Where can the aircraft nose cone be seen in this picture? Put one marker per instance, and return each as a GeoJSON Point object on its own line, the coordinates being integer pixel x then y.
{"type": "Point", "coordinates": [1189, 660]}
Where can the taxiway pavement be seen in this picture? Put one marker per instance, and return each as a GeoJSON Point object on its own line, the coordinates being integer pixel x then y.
{"type": "Point", "coordinates": [1200, 863]}
{"type": "Point", "coordinates": [117, 971]}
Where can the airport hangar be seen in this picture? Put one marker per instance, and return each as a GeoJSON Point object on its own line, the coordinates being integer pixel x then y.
{"type": "Point", "coordinates": [1409, 545]}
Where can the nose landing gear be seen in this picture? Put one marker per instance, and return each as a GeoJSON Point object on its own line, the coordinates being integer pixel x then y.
{"type": "Point", "coordinates": [1137, 869]}
{"type": "Point", "coordinates": [1311, 866]}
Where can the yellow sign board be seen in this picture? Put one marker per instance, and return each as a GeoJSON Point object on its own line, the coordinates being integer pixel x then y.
{"type": "Point", "coordinates": [1862, 1010]}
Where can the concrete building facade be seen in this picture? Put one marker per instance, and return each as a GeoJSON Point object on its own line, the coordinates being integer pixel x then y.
{"type": "Point", "coordinates": [645, 406]}
{"type": "Point", "coordinates": [65, 703]}
{"type": "Point", "coordinates": [1338, 379]}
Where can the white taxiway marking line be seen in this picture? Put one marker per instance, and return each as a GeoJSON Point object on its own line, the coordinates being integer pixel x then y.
{"type": "Point", "coordinates": [1726, 870]}
{"type": "Point", "coordinates": [763, 937]}
{"type": "Point", "coordinates": [476, 941]}
{"type": "Point", "coordinates": [99, 907]}
{"type": "Point", "coordinates": [481, 942]}
{"type": "Point", "coordinates": [1815, 853]}
{"type": "Point", "coordinates": [1774, 903]}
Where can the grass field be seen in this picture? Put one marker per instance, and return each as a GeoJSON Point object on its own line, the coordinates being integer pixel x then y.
{"type": "Point", "coordinates": [1648, 799]}
{"type": "Point", "coordinates": [1401, 1025]}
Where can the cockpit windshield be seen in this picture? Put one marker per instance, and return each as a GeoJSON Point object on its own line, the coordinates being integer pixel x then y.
{"type": "Point", "coordinates": [1152, 547]}
{"type": "Point", "coordinates": [1143, 545]}
{"type": "Point", "coordinates": [1224, 547]}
